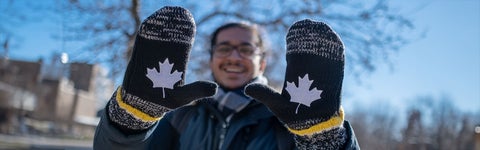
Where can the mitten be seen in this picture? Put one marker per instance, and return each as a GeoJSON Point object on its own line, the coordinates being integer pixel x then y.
{"type": "Point", "coordinates": [310, 99]}
{"type": "Point", "coordinates": [154, 79]}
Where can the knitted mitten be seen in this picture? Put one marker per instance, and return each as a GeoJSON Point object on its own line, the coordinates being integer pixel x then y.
{"type": "Point", "coordinates": [310, 100]}
{"type": "Point", "coordinates": [154, 79]}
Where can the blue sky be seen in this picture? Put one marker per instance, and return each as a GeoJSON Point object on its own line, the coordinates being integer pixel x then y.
{"type": "Point", "coordinates": [445, 62]}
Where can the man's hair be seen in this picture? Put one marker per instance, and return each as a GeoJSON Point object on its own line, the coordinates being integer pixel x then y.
{"type": "Point", "coordinates": [255, 29]}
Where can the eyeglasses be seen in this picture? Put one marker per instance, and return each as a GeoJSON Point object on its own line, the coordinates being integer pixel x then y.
{"type": "Point", "coordinates": [245, 51]}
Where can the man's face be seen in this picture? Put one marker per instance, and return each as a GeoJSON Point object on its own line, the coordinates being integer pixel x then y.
{"type": "Point", "coordinates": [234, 70]}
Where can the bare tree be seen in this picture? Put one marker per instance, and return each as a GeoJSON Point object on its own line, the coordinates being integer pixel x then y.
{"type": "Point", "coordinates": [413, 136]}
{"type": "Point", "coordinates": [384, 130]}
{"type": "Point", "coordinates": [371, 29]}
{"type": "Point", "coordinates": [431, 123]}
{"type": "Point", "coordinates": [435, 123]}
{"type": "Point", "coordinates": [466, 135]}
{"type": "Point", "coordinates": [107, 28]}
{"type": "Point", "coordinates": [447, 124]}
{"type": "Point", "coordinates": [375, 126]}
{"type": "Point", "coordinates": [360, 124]}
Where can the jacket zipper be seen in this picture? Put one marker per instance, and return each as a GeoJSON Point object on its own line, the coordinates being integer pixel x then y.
{"type": "Point", "coordinates": [223, 132]}
{"type": "Point", "coordinates": [224, 129]}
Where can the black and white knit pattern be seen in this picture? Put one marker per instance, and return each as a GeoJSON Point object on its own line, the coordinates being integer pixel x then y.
{"type": "Point", "coordinates": [304, 124]}
{"type": "Point", "coordinates": [124, 118]}
{"type": "Point", "coordinates": [328, 140]}
{"type": "Point", "coordinates": [152, 109]}
{"type": "Point", "coordinates": [314, 38]}
{"type": "Point", "coordinates": [170, 24]}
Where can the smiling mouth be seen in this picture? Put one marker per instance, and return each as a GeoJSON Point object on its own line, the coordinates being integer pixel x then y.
{"type": "Point", "coordinates": [233, 70]}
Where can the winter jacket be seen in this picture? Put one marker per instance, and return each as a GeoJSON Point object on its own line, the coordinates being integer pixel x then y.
{"type": "Point", "coordinates": [202, 126]}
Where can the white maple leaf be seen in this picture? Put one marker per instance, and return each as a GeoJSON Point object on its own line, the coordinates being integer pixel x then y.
{"type": "Point", "coordinates": [302, 94]}
{"type": "Point", "coordinates": [163, 78]}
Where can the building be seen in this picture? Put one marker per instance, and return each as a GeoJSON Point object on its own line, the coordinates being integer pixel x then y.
{"type": "Point", "coordinates": [50, 98]}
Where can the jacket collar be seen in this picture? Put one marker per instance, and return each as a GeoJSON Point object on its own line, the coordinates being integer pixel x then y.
{"type": "Point", "coordinates": [235, 100]}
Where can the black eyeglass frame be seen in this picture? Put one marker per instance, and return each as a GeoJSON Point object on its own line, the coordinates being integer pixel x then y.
{"type": "Point", "coordinates": [255, 50]}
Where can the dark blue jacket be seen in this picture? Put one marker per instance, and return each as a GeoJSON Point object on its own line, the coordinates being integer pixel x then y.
{"type": "Point", "coordinates": [201, 126]}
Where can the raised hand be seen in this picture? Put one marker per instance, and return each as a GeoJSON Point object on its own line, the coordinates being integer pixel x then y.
{"type": "Point", "coordinates": [310, 99]}
{"type": "Point", "coordinates": [155, 76]}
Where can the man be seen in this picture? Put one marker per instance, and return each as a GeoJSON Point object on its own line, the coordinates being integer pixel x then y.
{"type": "Point", "coordinates": [153, 109]}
